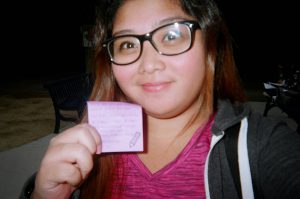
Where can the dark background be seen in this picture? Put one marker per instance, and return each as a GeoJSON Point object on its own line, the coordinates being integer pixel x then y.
{"type": "Point", "coordinates": [266, 34]}
{"type": "Point", "coordinates": [43, 39]}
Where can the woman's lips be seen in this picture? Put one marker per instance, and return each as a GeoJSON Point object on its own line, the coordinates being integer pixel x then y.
{"type": "Point", "coordinates": [155, 86]}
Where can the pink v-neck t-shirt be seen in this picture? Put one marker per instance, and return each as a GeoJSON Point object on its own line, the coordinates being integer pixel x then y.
{"type": "Point", "coordinates": [181, 178]}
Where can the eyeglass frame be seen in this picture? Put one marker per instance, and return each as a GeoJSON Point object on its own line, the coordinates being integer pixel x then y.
{"type": "Point", "coordinates": [191, 24]}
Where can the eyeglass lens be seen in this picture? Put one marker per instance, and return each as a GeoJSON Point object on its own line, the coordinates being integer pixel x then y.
{"type": "Point", "coordinates": [168, 40]}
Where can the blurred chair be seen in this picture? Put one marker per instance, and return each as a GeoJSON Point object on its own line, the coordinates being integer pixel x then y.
{"type": "Point", "coordinates": [271, 93]}
{"type": "Point", "coordinates": [69, 94]}
{"type": "Point", "coordinates": [287, 100]}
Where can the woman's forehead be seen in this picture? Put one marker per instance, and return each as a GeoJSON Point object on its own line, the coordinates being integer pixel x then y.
{"type": "Point", "coordinates": [140, 16]}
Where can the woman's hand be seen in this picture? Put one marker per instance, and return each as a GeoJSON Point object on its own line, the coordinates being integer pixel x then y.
{"type": "Point", "coordinates": [67, 162]}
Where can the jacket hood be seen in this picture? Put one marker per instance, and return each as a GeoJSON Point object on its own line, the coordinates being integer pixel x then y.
{"type": "Point", "coordinates": [229, 114]}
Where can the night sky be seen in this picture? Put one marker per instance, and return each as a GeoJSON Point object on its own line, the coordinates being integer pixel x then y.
{"type": "Point", "coordinates": [44, 39]}
{"type": "Point", "coordinates": [266, 34]}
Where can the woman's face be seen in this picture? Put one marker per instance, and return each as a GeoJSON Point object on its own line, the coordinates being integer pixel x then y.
{"type": "Point", "coordinates": [165, 86]}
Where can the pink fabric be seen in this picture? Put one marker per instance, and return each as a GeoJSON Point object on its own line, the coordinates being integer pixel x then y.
{"type": "Point", "coordinates": [181, 178]}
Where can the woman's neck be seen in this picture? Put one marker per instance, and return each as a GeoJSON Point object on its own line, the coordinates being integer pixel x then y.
{"type": "Point", "coordinates": [166, 138]}
{"type": "Point", "coordinates": [170, 128]}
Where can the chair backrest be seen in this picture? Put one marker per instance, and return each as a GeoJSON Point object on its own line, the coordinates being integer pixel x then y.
{"type": "Point", "coordinates": [70, 93]}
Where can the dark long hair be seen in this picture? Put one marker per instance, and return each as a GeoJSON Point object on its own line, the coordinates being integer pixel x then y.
{"type": "Point", "coordinates": [221, 78]}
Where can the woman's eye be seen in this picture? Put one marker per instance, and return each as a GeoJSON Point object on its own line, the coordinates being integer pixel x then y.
{"type": "Point", "coordinates": [171, 36]}
{"type": "Point", "coordinates": [126, 45]}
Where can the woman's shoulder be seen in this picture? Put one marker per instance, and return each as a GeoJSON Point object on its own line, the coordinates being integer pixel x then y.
{"type": "Point", "coordinates": [229, 113]}
{"type": "Point", "coordinates": [268, 126]}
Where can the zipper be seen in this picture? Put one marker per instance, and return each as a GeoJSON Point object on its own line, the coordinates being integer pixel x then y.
{"type": "Point", "coordinates": [215, 139]}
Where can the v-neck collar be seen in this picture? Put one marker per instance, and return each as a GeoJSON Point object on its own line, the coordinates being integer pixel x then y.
{"type": "Point", "coordinates": [174, 163]}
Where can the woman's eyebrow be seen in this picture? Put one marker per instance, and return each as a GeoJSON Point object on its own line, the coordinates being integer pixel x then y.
{"type": "Point", "coordinates": [123, 32]}
{"type": "Point", "coordinates": [170, 20]}
{"type": "Point", "coordinates": [155, 25]}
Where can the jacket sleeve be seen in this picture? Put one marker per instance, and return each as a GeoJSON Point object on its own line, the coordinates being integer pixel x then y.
{"type": "Point", "coordinates": [278, 160]}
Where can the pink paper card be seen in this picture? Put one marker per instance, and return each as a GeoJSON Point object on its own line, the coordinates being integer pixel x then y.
{"type": "Point", "coordinates": [120, 125]}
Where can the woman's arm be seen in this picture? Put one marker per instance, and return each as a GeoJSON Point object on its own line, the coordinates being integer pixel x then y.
{"type": "Point", "coordinates": [279, 162]}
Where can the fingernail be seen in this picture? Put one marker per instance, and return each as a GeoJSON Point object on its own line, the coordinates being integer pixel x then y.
{"type": "Point", "coordinates": [99, 149]}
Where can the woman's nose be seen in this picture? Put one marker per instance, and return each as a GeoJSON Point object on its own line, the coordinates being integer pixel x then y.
{"type": "Point", "coordinates": [150, 60]}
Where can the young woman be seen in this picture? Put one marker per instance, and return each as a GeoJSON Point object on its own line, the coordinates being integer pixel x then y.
{"type": "Point", "coordinates": [174, 58]}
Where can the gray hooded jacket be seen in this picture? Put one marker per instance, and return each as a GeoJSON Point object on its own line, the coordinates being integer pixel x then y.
{"type": "Point", "coordinates": [273, 150]}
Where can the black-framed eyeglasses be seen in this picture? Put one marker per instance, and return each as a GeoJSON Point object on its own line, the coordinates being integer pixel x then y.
{"type": "Point", "coordinates": [170, 39]}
